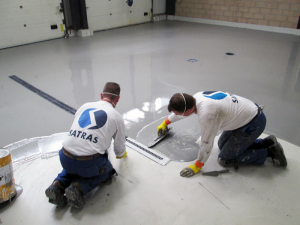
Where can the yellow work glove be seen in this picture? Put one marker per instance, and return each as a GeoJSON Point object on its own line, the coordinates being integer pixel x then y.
{"type": "Point", "coordinates": [191, 170]}
{"type": "Point", "coordinates": [125, 154]}
{"type": "Point", "coordinates": [161, 128]}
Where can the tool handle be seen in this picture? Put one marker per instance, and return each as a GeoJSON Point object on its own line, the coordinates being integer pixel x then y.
{"type": "Point", "coordinates": [224, 171]}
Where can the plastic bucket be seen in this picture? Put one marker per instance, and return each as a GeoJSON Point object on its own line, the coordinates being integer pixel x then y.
{"type": "Point", "coordinates": [7, 181]}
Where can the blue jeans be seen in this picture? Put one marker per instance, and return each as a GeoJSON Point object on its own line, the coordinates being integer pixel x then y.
{"type": "Point", "coordinates": [242, 145]}
{"type": "Point", "coordinates": [88, 173]}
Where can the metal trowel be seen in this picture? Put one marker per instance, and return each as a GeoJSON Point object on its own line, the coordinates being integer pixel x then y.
{"type": "Point", "coordinates": [215, 173]}
{"type": "Point", "coordinates": [160, 137]}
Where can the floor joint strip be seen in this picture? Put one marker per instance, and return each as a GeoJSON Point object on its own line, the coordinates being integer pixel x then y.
{"type": "Point", "coordinates": [44, 95]}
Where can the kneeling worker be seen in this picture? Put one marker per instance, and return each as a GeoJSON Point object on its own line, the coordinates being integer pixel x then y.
{"type": "Point", "coordinates": [241, 121]}
{"type": "Point", "coordinates": [84, 154]}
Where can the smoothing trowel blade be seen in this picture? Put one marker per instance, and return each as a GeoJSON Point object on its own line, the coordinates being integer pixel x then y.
{"type": "Point", "coordinates": [159, 138]}
{"type": "Point", "coordinates": [215, 173]}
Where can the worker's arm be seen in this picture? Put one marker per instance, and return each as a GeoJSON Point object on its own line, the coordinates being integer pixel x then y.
{"type": "Point", "coordinates": [192, 169]}
{"type": "Point", "coordinates": [161, 128]}
{"type": "Point", "coordinates": [119, 139]}
{"type": "Point", "coordinates": [125, 154]}
{"type": "Point", "coordinates": [209, 130]}
{"type": "Point", "coordinates": [171, 119]}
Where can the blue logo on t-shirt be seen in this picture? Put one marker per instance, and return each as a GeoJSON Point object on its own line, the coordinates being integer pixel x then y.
{"type": "Point", "coordinates": [214, 95]}
{"type": "Point", "coordinates": [85, 119]}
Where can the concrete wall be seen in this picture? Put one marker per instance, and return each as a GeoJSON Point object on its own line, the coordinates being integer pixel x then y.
{"type": "Point", "coordinates": [277, 13]}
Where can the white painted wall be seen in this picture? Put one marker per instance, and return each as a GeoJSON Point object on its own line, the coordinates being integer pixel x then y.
{"type": "Point", "coordinates": [106, 14]}
{"type": "Point", "coordinates": [28, 21]}
{"type": "Point", "coordinates": [39, 15]}
{"type": "Point", "coordinates": [159, 7]}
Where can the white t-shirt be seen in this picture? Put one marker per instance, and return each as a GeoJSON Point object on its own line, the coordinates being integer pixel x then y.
{"type": "Point", "coordinates": [94, 126]}
{"type": "Point", "coordinates": [218, 110]}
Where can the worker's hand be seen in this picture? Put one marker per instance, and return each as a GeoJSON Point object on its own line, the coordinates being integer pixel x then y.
{"type": "Point", "coordinates": [161, 128]}
{"type": "Point", "coordinates": [191, 170]}
{"type": "Point", "coordinates": [125, 154]}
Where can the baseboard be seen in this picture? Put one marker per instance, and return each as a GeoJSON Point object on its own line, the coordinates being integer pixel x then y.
{"type": "Point", "coordinates": [159, 17]}
{"type": "Point", "coordinates": [239, 25]}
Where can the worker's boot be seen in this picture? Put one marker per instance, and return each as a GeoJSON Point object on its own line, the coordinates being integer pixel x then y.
{"type": "Point", "coordinates": [228, 163]}
{"type": "Point", "coordinates": [55, 192]}
{"type": "Point", "coordinates": [269, 141]}
{"type": "Point", "coordinates": [74, 195]}
{"type": "Point", "coordinates": [108, 181]}
{"type": "Point", "coordinates": [276, 152]}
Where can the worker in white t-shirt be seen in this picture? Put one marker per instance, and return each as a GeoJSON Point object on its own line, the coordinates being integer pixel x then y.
{"type": "Point", "coordinates": [241, 121]}
{"type": "Point", "coordinates": [84, 154]}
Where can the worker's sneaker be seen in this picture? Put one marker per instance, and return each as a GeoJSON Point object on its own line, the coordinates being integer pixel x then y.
{"type": "Point", "coordinates": [269, 141]}
{"type": "Point", "coordinates": [55, 193]}
{"type": "Point", "coordinates": [74, 195]}
{"type": "Point", "coordinates": [276, 152]}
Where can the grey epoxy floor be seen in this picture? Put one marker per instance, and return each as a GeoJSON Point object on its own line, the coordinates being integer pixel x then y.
{"type": "Point", "coordinates": [151, 62]}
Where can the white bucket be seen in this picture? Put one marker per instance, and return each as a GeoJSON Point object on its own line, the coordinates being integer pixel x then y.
{"type": "Point", "coordinates": [7, 181]}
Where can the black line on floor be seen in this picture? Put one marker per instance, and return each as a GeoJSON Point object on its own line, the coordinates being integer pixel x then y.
{"type": "Point", "coordinates": [126, 178]}
{"type": "Point", "coordinates": [44, 95]}
{"type": "Point", "coordinates": [214, 196]}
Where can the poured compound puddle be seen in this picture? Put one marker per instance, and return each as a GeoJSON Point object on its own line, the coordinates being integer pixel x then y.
{"type": "Point", "coordinates": [181, 143]}
{"type": "Point", "coordinates": [33, 148]}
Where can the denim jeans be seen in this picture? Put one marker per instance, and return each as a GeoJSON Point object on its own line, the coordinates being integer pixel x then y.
{"type": "Point", "coordinates": [242, 145]}
{"type": "Point", "coordinates": [88, 173]}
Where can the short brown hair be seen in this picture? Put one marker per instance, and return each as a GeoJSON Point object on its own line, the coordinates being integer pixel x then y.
{"type": "Point", "coordinates": [112, 90]}
{"type": "Point", "coordinates": [177, 102]}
